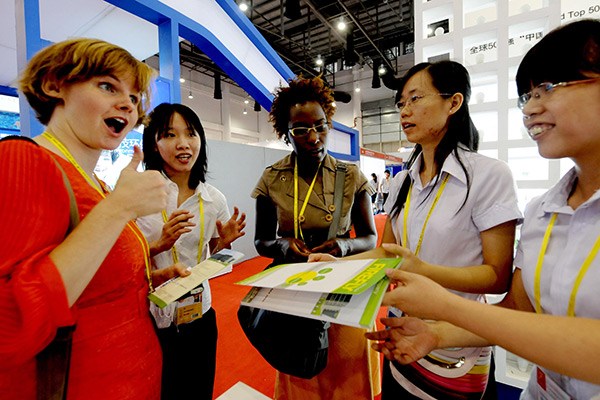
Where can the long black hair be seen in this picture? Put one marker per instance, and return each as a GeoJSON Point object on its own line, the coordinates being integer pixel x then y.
{"type": "Point", "coordinates": [158, 124]}
{"type": "Point", "coordinates": [579, 46]}
{"type": "Point", "coordinates": [448, 77]}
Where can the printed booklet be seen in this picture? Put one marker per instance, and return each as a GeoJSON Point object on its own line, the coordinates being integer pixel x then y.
{"type": "Point", "coordinates": [175, 288]}
{"type": "Point", "coordinates": [343, 292]}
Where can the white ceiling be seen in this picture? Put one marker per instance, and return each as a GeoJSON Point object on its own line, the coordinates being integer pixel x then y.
{"type": "Point", "coordinates": [62, 19]}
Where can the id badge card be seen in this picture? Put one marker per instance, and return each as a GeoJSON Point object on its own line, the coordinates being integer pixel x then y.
{"type": "Point", "coordinates": [190, 308]}
{"type": "Point", "coordinates": [548, 389]}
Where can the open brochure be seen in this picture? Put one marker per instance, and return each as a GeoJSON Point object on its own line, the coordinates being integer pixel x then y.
{"type": "Point", "coordinates": [342, 292]}
{"type": "Point", "coordinates": [175, 288]}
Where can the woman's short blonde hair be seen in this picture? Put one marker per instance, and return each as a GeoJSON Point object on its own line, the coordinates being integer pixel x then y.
{"type": "Point", "coordinates": [79, 60]}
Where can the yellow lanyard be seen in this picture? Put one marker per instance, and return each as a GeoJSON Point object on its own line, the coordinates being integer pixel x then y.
{"type": "Point", "coordinates": [582, 271]}
{"type": "Point", "coordinates": [298, 218]}
{"type": "Point", "coordinates": [200, 240]}
{"type": "Point", "coordinates": [407, 207]}
{"type": "Point", "coordinates": [102, 190]}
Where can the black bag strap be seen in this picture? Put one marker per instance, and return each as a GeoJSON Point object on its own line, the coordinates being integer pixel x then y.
{"type": "Point", "coordinates": [338, 198]}
{"type": "Point", "coordinates": [54, 360]}
{"type": "Point", "coordinates": [53, 366]}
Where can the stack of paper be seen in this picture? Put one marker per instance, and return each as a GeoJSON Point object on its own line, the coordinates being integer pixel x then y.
{"type": "Point", "coordinates": [342, 292]}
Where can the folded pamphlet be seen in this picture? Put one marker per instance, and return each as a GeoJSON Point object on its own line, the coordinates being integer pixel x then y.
{"type": "Point", "coordinates": [342, 292]}
{"type": "Point", "coordinates": [175, 288]}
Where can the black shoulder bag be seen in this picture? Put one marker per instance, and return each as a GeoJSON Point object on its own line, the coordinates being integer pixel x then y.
{"type": "Point", "coordinates": [54, 360]}
{"type": "Point", "coordinates": [293, 345]}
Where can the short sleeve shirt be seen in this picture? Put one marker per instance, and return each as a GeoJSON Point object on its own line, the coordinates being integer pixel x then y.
{"type": "Point", "coordinates": [572, 238]}
{"type": "Point", "coordinates": [452, 235]}
{"type": "Point", "coordinates": [215, 208]}
{"type": "Point", "coordinates": [277, 184]}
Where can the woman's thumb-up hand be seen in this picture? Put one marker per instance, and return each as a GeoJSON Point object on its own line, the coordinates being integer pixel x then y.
{"type": "Point", "coordinates": [142, 193]}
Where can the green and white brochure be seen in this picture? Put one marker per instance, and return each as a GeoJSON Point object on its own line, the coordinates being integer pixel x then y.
{"type": "Point", "coordinates": [343, 277]}
{"type": "Point", "coordinates": [342, 292]}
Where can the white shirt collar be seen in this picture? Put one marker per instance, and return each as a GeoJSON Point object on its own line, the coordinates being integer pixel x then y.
{"type": "Point", "coordinates": [451, 166]}
{"type": "Point", "coordinates": [201, 189]}
{"type": "Point", "coordinates": [556, 198]}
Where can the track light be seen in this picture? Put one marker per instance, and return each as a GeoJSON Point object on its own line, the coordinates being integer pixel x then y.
{"type": "Point", "coordinates": [349, 55]}
{"type": "Point", "coordinates": [257, 107]}
{"type": "Point", "coordinates": [243, 6]}
{"type": "Point", "coordinates": [341, 96]}
{"type": "Point", "coordinates": [218, 95]}
{"type": "Point", "coordinates": [381, 70]}
{"type": "Point", "coordinates": [245, 111]}
{"type": "Point", "coordinates": [376, 82]}
{"type": "Point", "coordinates": [190, 95]}
{"type": "Point", "coordinates": [181, 80]}
{"type": "Point", "coordinates": [341, 25]}
{"type": "Point", "coordinates": [292, 9]}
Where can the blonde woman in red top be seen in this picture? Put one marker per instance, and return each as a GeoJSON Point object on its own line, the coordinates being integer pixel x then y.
{"type": "Point", "coordinates": [89, 94]}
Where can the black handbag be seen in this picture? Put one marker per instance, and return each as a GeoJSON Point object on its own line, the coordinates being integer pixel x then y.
{"type": "Point", "coordinates": [293, 345]}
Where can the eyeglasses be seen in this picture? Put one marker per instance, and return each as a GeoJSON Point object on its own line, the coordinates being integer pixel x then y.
{"type": "Point", "coordinates": [412, 100]}
{"type": "Point", "coordinates": [300, 131]}
{"type": "Point", "coordinates": [546, 88]}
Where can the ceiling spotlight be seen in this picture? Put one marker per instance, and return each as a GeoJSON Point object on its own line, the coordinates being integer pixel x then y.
{"type": "Point", "coordinates": [245, 111]}
{"type": "Point", "coordinates": [376, 82]}
{"type": "Point", "coordinates": [319, 60]}
{"type": "Point", "coordinates": [357, 89]}
{"type": "Point", "coordinates": [292, 9]}
{"type": "Point", "coordinates": [381, 70]}
{"type": "Point", "coordinates": [333, 104]}
{"type": "Point", "coordinates": [341, 25]}
{"type": "Point", "coordinates": [243, 6]}
{"type": "Point", "coordinates": [218, 95]}
{"type": "Point", "coordinates": [190, 96]}
{"type": "Point", "coordinates": [181, 80]}
{"type": "Point", "coordinates": [246, 101]}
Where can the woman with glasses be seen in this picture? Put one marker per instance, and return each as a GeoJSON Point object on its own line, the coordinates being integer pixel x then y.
{"type": "Point", "coordinates": [453, 214]}
{"type": "Point", "coordinates": [294, 211]}
{"type": "Point", "coordinates": [556, 281]}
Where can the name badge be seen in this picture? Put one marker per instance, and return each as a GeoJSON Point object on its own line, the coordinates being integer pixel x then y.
{"type": "Point", "coordinates": [189, 309]}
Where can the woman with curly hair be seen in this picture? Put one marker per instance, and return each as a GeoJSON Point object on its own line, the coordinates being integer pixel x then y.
{"type": "Point", "coordinates": [294, 210]}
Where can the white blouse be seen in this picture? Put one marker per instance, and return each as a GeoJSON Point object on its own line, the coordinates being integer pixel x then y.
{"type": "Point", "coordinates": [452, 235]}
{"type": "Point", "coordinates": [571, 240]}
{"type": "Point", "coordinates": [215, 208]}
